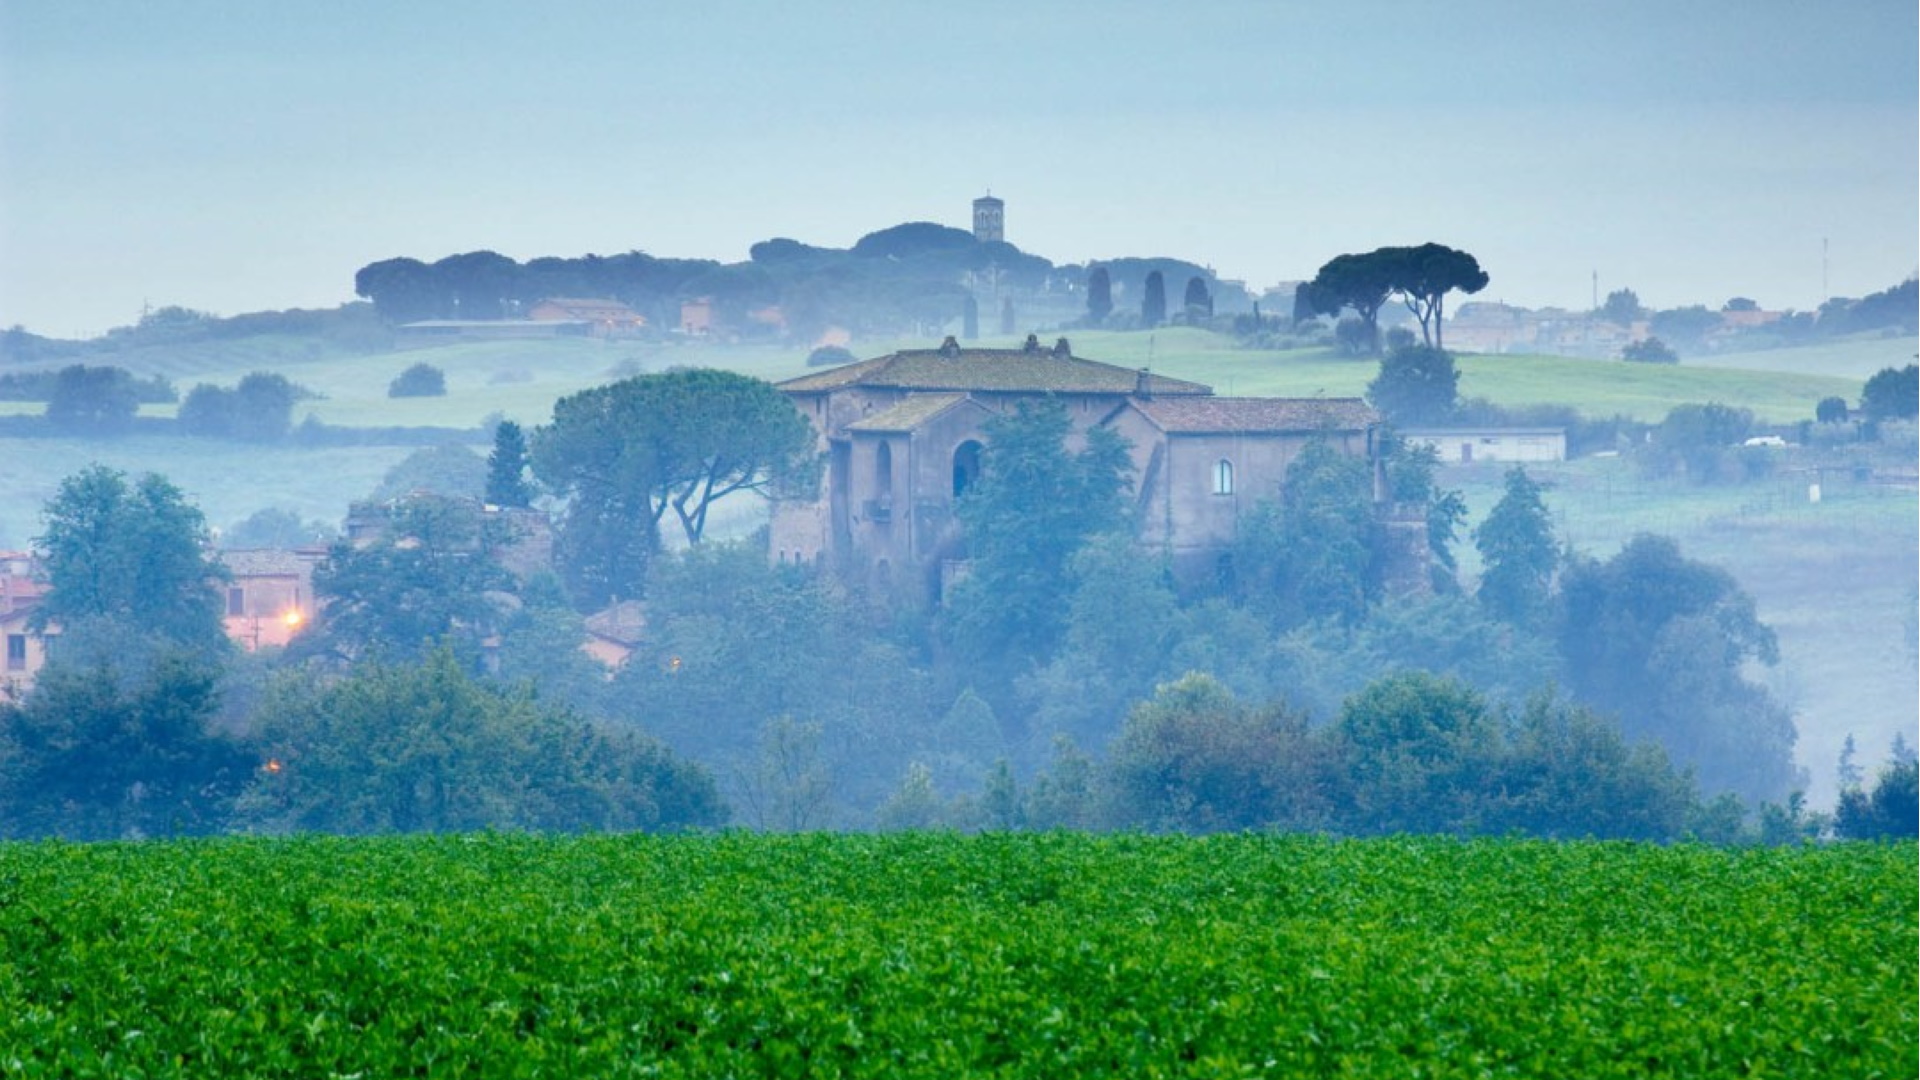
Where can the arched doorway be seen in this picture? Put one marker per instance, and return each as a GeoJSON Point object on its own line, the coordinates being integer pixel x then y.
{"type": "Point", "coordinates": [966, 466]}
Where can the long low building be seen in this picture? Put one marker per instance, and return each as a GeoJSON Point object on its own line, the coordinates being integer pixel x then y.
{"type": "Point", "coordinates": [1467, 445]}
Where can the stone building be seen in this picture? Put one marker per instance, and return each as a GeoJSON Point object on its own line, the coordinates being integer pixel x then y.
{"type": "Point", "coordinates": [989, 219]}
{"type": "Point", "coordinates": [902, 436]}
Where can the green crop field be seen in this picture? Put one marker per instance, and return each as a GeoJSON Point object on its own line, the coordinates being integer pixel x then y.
{"type": "Point", "coordinates": [1049, 955]}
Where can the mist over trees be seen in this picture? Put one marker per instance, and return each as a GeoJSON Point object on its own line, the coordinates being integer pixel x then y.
{"type": "Point", "coordinates": [1069, 682]}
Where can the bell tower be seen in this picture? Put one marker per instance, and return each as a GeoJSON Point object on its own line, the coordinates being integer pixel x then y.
{"type": "Point", "coordinates": [989, 219]}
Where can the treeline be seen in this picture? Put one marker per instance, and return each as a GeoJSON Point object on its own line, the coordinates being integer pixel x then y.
{"type": "Point", "coordinates": [905, 279]}
{"type": "Point", "coordinates": [349, 329]}
{"type": "Point", "coordinates": [1066, 680]}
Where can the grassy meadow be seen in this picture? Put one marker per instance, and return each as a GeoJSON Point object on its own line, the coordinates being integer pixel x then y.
{"type": "Point", "coordinates": [939, 955]}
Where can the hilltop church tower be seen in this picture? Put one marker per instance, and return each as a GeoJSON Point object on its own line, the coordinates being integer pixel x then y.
{"type": "Point", "coordinates": [989, 219]}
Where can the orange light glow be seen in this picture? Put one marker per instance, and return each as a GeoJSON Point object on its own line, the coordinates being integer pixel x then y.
{"type": "Point", "coordinates": [293, 619]}
{"type": "Point", "coordinates": [273, 765]}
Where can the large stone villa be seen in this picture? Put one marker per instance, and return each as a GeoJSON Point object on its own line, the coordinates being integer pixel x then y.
{"type": "Point", "coordinates": [902, 436]}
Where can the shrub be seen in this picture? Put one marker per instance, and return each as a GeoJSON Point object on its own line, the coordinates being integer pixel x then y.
{"type": "Point", "coordinates": [420, 380]}
{"type": "Point", "coordinates": [829, 356]}
{"type": "Point", "coordinates": [1649, 351]}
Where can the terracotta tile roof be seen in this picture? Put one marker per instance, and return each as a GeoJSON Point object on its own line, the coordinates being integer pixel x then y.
{"type": "Point", "coordinates": [1216, 415]}
{"type": "Point", "coordinates": [266, 562]}
{"type": "Point", "coordinates": [909, 414]}
{"type": "Point", "coordinates": [990, 370]}
{"type": "Point", "coordinates": [625, 623]}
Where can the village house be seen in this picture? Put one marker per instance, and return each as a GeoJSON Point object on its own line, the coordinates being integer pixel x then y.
{"type": "Point", "coordinates": [269, 597]}
{"type": "Point", "coordinates": [902, 436]}
{"type": "Point", "coordinates": [603, 318]}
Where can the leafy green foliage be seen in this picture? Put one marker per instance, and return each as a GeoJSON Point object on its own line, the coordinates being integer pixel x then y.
{"type": "Point", "coordinates": [1312, 555]}
{"type": "Point", "coordinates": [259, 409]}
{"type": "Point", "coordinates": [1701, 441]}
{"type": "Point", "coordinates": [423, 583]}
{"type": "Point", "coordinates": [1660, 641]}
{"type": "Point", "coordinates": [136, 553]}
{"type": "Point", "coordinates": [1517, 552]}
{"type": "Point", "coordinates": [427, 747]}
{"type": "Point", "coordinates": [450, 470]}
{"type": "Point", "coordinates": [626, 453]}
{"type": "Point", "coordinates": [1153, 300]}
{"type": "Point", "coordinates": [1034, 505]}
{"type": "Point", "coordinates": [1892, 394]}
{"type": "Point", "coordinates": [93, 400]}
{"type": "Point", "coordinates": [1416, 385]}
{"type": "Point", "coordinates": [116, 741]}
{"type": "Point", "coordinates": [507, 468]}
{"type": "Point", "coordinates": [1099, 296]}
{"type": "Point", "coordinates": [1650, 350]}
{"type": "Point", "coordinates": [919, 955]}
{"type": "Point", "coordinates": [1890, 810]}
{"type": "Point", "coordinates": [419, 380]}
{"type": "Point", "coordinates": [1193, 758]}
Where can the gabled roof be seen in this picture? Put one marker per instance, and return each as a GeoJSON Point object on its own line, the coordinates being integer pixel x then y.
{"type": "Point", "coordinates": [270, 562]}
{"type": "Point", "coordinates": [909, 414]}
{"type": "Point", "coordinates": [991, 370]}
{"type": "Point", "coordinates": [1217, 416]}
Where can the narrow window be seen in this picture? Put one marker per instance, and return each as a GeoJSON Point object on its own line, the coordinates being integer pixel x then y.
{"type": "Point", "coordinates": [16, 652]}
{"type": "Point", "coordinates": [1223, 477]}
{"type": "Point", "coordinates": [883, 473]}
{"type": "Point", "coordinates": [236, 601]}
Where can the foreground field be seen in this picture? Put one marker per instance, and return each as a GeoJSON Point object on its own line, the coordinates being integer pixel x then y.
{"type": "Point", "coordinates": [932, 955]}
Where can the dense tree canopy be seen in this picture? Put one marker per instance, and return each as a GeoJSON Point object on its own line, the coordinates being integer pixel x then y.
{"type": "Point", "coordinates": [1099, 296]}
{"type": "Point", "coordinates": [1892, 394]}
{"type": "Point", "coordinates": [135, 552]}
{"type": "Point", "coordinates": [507, 467]}
{"type": "Point", "coordinates": [1661, 641]}
{"type": "Point", "coordinates": [1517, 552]}
{"type": "Point", "coordinates": [1034, 505]}
{"type": "Point", "coordinates": [1360, 282]}
{"type": "Point", "coordinates": [93, 400]}
{"type": "Point", "coordinates": [422, 584]}
{"type": "Point", "coordinates": [117, 741]}
{"type": "Point", "coordinates": [1153, 300]}
{"type": "Point", "coordinates": [1416, 385]}
{"type": "Point", "coordinates": [1424, 276]}
{"type": "Point", "coordinates": [427, 747]}
{"type": "Point", "coordinates": [625, 454]}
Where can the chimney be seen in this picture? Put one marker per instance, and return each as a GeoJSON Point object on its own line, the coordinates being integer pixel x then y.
{"type": "Point", "coordinates": [1143, 384]}
{"type": "Point", "coordinates": [950, 348]}
{"type": "Point", "coordinates": [1061, 350]}
{"type": "Point", "coordinates": [1033, 344]}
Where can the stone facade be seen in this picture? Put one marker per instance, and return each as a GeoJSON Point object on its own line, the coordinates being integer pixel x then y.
{"type": "Point", "coordinates": [902, 436]}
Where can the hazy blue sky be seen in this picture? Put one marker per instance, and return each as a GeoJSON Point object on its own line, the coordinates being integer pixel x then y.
{"type": "Point", "coordinates": [233, 156]}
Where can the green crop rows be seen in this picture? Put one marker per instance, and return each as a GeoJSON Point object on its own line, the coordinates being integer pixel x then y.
{"type": "Point", "coordinates": [946, 956]}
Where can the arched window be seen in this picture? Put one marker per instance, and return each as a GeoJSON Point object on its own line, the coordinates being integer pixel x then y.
{"type": "Point", "coordinates": [966, 466]}
{"type": "Point", "coordinates": [1223, 477]}
{"type": "Point", "coordinates": [883, 472]}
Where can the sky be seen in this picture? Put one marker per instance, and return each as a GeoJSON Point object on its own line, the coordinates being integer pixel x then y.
{"type": "Point", "coordinates": [233, 156]}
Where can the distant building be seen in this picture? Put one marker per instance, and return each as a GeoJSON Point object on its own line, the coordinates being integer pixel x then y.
{"type": "Point", "coordinates": [1467, 445]}
{"type": "Point", "coordinates": [903, 434]}
{"type": "Point", "coordinates": [26, 649]}
{"type": "Point", "coordinates": [696, 317]}
{"type": "Point", "coordinates": [604, 318]}
{"type": "Point", "coordinates": [270, 596]}
{"type": "Point", "coordinates": [989, 220]}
